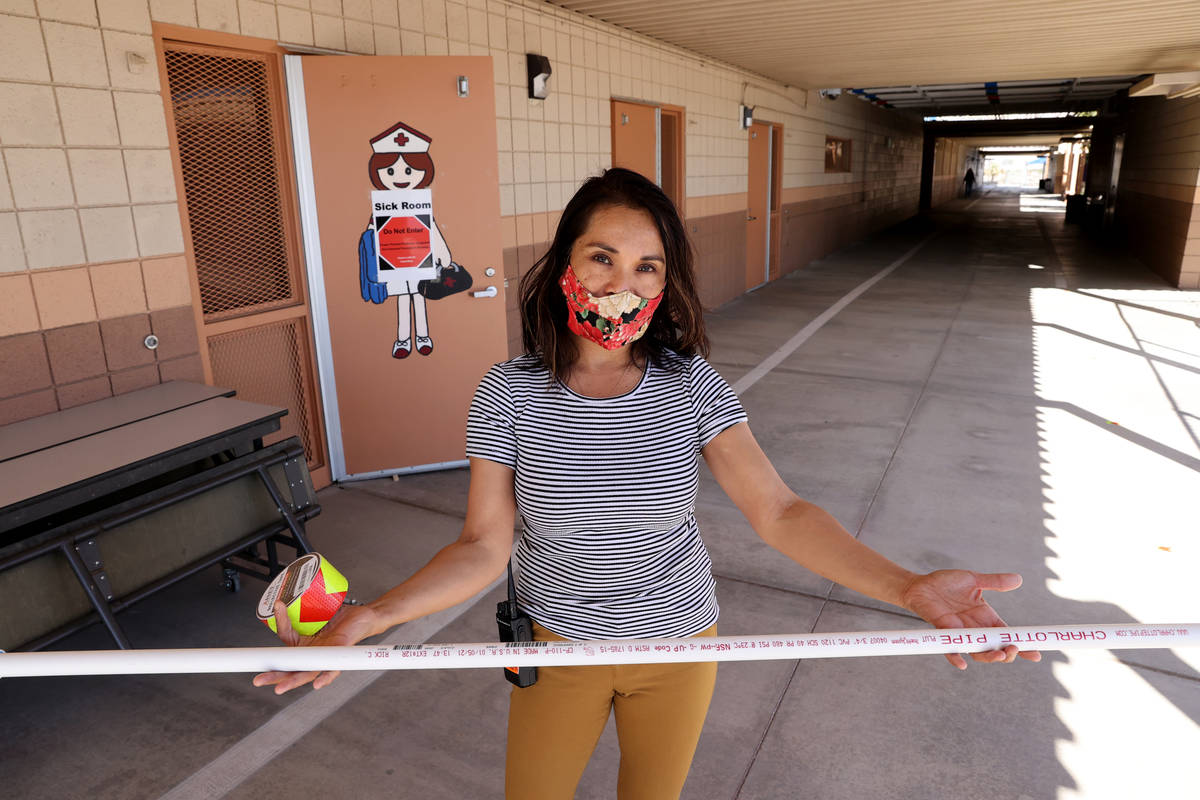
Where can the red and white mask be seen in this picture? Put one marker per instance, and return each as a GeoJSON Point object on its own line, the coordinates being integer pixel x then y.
{"type": "Point", "coordinates": [612, 321]}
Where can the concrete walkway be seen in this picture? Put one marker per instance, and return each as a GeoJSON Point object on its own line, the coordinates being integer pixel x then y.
{"type": "Point", "coordinates": [1011, 397]}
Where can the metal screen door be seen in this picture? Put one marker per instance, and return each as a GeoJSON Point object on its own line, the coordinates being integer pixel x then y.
{"type": "Point", "coordinates": [225, 111]}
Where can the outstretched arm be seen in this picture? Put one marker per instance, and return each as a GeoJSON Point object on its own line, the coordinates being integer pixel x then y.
{"type": "Point", "coordinates": [456, 573]}
{"type": "Point", "coordinates": [811, 537]}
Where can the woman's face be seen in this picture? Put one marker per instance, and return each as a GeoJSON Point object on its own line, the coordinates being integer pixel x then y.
{"type": "Point", "coordinates": [620, 249]}
{"type": "Point", "coordinates": [400, 176]}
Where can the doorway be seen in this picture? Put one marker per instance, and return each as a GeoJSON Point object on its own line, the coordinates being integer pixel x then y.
{"type": "Point", "coordinates": [649, 139]}
{"type": "Point", "coordinates": [1114, 178]}
{"type": "Point", "coordinates": [397, 168]}
{"type": "Point", "coordinates": [763, 203]}
{"type": "Point", "coordinates": [233, 163]}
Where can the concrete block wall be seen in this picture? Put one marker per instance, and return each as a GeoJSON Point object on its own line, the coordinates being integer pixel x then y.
{"type": "Point", "coordinates": [1158, 198]}
{"type": "Point", "coordinates": [717, 158]}
{"type": "Point", "coordinates": [91, 247]}
{"type": "Point", "coordinates": [882, 188]}
{"type": "Point", "coordinates": [91, 241]}
{"type": "Point", "coordinates": [949, 167]}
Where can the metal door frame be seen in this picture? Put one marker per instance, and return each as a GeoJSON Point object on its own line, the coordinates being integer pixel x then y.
{"type": "Point", "coordinates": [770, 198]}
{"type": "Point", "coordinates": [314, 265]}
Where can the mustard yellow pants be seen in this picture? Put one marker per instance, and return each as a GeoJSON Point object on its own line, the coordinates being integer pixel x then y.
{"type": "Point", "coordinates": [553, 726]}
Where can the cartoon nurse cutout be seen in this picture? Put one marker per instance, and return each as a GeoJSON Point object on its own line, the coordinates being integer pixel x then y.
{"type": "Point", "coordinates": [400, 160]}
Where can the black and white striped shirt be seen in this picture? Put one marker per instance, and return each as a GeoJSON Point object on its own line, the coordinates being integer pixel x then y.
{"type": "Point", "coordinates": [607, 489]}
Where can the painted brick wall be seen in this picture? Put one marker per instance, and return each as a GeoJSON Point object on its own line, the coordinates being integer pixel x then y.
{"type": "Point", "coordinates": [949, 167]}
{"type": "Point", "coordinates": [90, 241]}
{"type": "Point", "coordinates": [1158, 199]}
{"type": "Point", "coordinates": [89, 221]}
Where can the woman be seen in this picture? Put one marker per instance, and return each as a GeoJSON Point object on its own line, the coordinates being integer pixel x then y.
{"type": "Point", "coordinates": [594, 435]}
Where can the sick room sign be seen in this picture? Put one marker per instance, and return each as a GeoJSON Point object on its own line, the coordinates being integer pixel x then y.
{"type": "Point", "coordinates": [402, 220]}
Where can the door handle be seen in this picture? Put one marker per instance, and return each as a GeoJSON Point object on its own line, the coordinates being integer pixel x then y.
{"type": "Point", "coordinates": [750, 218]}
{"type": "Point", "coordinates": [488, 292]}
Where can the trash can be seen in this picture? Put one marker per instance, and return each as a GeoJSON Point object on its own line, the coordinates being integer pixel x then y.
{"type": "Point", "coordinates": [1076, 208]}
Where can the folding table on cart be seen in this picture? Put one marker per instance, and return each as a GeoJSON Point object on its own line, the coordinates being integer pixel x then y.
{"type": "Point", "coordinates": [104, 504]}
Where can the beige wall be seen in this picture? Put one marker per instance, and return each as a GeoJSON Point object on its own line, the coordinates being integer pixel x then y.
{"type": "Point", "coordinates": [950, 161]}
{"type": "Point", "coordinates": [90, 235]}
{"type": "Point", "coordinates": [1158, 198]}
{"type": "Point", "coordinates": [90, 240]}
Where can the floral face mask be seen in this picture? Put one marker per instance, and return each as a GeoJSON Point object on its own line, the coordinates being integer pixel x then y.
{"type": "Point", "coordinates": [611, 322]}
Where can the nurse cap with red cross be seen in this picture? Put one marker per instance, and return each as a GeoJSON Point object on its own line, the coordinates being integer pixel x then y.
{"type": "Point", "coordinates": [401, 139]}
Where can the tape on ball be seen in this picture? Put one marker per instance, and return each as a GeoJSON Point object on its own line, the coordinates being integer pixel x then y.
{"type": "Point", "coordinates": [311, 588]}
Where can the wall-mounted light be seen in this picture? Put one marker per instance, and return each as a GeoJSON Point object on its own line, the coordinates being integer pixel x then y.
{"type": "Point", "coordinates": [539, 74]}
{"type": "Point", "coordinates": [747, 117]}
{"type": "Point", "coordinates": [463, 85]}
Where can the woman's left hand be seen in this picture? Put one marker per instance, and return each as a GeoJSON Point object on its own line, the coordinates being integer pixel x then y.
{"type": "Point", "coordinates": [350, 625]}
{"type": "Point", "coordinates": [953, 598]}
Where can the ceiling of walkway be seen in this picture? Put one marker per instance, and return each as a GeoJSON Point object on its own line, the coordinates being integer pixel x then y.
{"type": "Point", "coordinates": [1015, 140]}
{"type": "Point", "coordinates": [890, 43]}
{"type": "Point", "coordinates": [1000, 96]}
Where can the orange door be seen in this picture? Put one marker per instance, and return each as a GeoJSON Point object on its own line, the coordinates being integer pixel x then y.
{"type": "Point", "coordinates": [400, 358]}
{"type": "Point", "coordinates": [635, 135]}
{"type": "Point", "coordinates": [758, 205]}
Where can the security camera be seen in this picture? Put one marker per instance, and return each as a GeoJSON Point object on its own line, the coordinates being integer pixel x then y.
{"type": "Point", "coordinates": [830, 94]}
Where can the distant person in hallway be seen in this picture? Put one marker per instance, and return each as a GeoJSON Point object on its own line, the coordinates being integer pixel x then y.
{"type": "Point", "coordinates": [594, 436]}
{"type": "Point", "coordinates": [969, 182]}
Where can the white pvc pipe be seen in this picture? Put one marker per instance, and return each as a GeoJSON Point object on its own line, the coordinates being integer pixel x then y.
{"type": "Point", "coordinates": [620, 651]}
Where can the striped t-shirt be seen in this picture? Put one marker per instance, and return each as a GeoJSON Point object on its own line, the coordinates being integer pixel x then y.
{"type": "Point", "coordinates": [607, 490]}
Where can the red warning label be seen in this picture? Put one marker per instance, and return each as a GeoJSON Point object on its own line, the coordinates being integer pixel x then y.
{"type": "Point", "coordinates": [404, 242]}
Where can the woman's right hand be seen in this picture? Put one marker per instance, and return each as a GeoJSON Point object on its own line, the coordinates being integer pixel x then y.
{"type": "Point", "coordinates": [456, 573]}
{"type": "Point", "coordinates": [350, 625]}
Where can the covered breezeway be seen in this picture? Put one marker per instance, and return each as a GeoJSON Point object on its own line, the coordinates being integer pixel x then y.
{"type": "Point", "coordinates": [971, 382]}
{"type": "Point", "coordinates": [1009, 397]}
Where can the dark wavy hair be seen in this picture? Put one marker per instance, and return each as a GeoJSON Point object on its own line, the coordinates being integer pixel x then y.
{"type": "Point", "coordinates": [422, 161]}
{"type": "Point", "coordinates": [677, 325]}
